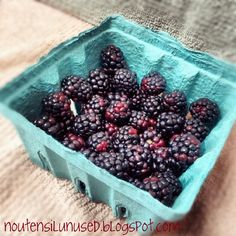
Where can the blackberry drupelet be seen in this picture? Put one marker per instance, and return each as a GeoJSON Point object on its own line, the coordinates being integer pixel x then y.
{"type": "Point", "coordinates": [51, 126]}
{"type": "Point", "coordinates": [139, 120]}
{"type": "Point", "coordinates": [205, 110]}
{"type": "Point", "coordinates": [153, 84]}
{"type": "Point", "coordinates": [184, 149]}
{"type": "Point", "coordinates": [99, 142]}
{"type": "Point", "coordinates": [97, 104]}
{"type": "Point", "coordinates": [163, 186]}
{"type": "Point", "coordinates": [112, 59]}
{"type": "Point", "coordinates": [111, 128]}
{"type": "Point", "coordinates": [87, 124]}
{"type": "Point", "coordinates": [152, 106]}
{"type": "Point", "coordinates": [76, 88]}
{"type": "Point", "coordinates": [125, 81]}
{"type": "Point", "coordinates": [140, 160]}
{"type": "Point", "coordinates": [169, 123]}
{"type": "Point", "coordinates": [56, 104]}
{"type": "Point", "coordinates": [176, 102]}
{"type": "Point", "coordinates": [73, 142]}
{"type": "Point", "coordinates": [99, 81]}
{"type": "Point", "coordinates": [196, 128]}
{"type": "Point", "coordinates": [151, 140]}
{"type": "Point", "coordinates": [114, 163]}
{"type": "Point", "coordinates": [118, 113]}
{"type": "Point", "coordinates": [125, 136]}
{"type": "Point", "coordinates": [137, 99]}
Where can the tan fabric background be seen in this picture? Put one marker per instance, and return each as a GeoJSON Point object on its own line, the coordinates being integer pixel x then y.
{"type": "Point", "coordinates": [28, 30]}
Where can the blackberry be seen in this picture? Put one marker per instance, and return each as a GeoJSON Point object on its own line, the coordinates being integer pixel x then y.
{"type": "Point", "coordinates": [196, 128]}
{"type": "Point", "coordinates": [111, 128]}
{"type": "Point", "coordinates": [165, 187]}
{"type": "Point", "coordinates": [99, 81]}
{"type": "Point", "coordinates": [140, 160]}
{"type": "Point", "coordinates": [125, 81]}
{"type": "Point", "coordinates": [68, 120]}
{"type": "Point", "coordinates": [205, 110]}
{"type": "Point", "coordinates": [151, 139]}
{"type": "Point", "coordinates": [57, 104]}
{"type": "Point", "coordinates": [87, 124]}
{"type": "Point", "coordinates": [176, 102]}
{"type": "Point", "coordinates": [161, 160]}
{"type": "Point", "coordinates": [99, 142]}
{"type": "Point", "coordinates": [76, 88]}
{"type": "Point", "coordinates": [126, 135]}
{"type": "Point", "coordinates": [114, 163]}
{"type": "Point", "coordinates": [152, 105]}
{"type": "Point", "coordinates": [184, 149]}
{"type": "Point", "coordinates": [118, 113]}
{"type": "Point", "coordinates": [139, 120]}
{"type": "Point", "coordinates": [89, 154]}
{"type": "Point", "coordinates": [169, 123]}
{"type": "Point", "coordinates": [117, 97]}
{"type": "Point", "coordinates": [51, 126]}
{"type": "Point", "coordinates": [112, 59]}
{"type": "Point", "coordinates": [137, 99]}
{"type": "Point", "coordinates": [97, 104]}
{"type": "Point", "coordinates": [73, 142]}
{"type": "Point", "coordinates": [153, 84]}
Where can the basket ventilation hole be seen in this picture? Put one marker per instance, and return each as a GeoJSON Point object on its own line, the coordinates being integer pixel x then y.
{"type": "Point", "coordinates": [121, 212]}
{"type": "Point", "coordinates": [82, 187]}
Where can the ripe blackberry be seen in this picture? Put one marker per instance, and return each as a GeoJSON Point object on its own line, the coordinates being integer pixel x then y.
{"type": "Point", "coordinates": [153, 84]}
{"type": "Point", "coordinates": [118, 113]}
{"type": "Point", "coordinates": [140, 160]}
{"type": "Point", "coordinates": [89, 154]}
{"type": "Point", "coordinates": [139, 120]}
{"type": "Point", "coordinates": [99, 81]}
{"type": "Point", "coordinates": [51, 126]}
{"type": "Point", "coordinates": [112, 59]}
{"type": "Point", "coordinates": [99, 142]}
{"type": "Point", "coordinates": [68, 120]}
{"type": "Point", "coordinates": [76, 88]}
{"type": "Point", "coordinates": [97, 104]}
{"type": "Point", "coordinates": [152, 106]}
{"type": "Point", "coordinates": [73, 142]}
{"type": "Point", "coordinates": [111, 128]}
{"type": "Point", "coordinates": [196, 128]}
{"type": "Point", "coordinates": [176, 102]}
{"type": "Point", "coordinates": [205, 110]}
{"type": "Point", "coordinates": [113, 97]}
{"type": "Point", "coordinates": [169, 123]}
{"type": "Point", "coordinates": [125, 81]}
{"type": "Point", "coordinates": [126, 135]}
{"type": "Point", "coordinates": [184, 149]}
{"type": "Point", "coordinates": [87, 124]}
{"type": "Point", "coordinates": [57, 104]}
{"type": "Point", "coordinates": [151, 139]}
{"type": "Point", "coordinates": [161, 160]}
{"type": "Point", "coordinates": [165, 187]}
{"type": "Point", "coordinates": [114, 163]}
{"type": "Point", "coordinates": [137, 99]}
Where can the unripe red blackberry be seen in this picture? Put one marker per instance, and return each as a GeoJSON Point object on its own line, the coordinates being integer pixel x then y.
{"type": "Point", "coordinates": [73, 142]}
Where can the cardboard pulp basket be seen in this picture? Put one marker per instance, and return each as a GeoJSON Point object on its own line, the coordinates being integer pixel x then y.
{"type": "Point", "coordinates": [197, 74]}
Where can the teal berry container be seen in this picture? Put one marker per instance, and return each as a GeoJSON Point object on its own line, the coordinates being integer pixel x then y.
{"type": "Point", "coordinates": [197, 74]}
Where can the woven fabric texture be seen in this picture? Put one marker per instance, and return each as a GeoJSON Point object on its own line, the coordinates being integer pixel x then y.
{"type": "Point", "coordinates": [29, 30]}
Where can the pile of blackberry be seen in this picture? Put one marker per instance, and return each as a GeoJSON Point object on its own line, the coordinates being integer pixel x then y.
{"type": "Point", "coordinates": [139, 133]}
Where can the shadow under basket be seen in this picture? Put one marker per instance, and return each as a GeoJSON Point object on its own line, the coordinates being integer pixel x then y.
{"type": "Point", "coordinates": [197, 74]}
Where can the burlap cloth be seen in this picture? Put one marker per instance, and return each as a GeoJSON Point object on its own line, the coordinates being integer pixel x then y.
{"type": "Point", "coordinates": [28, 30]}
